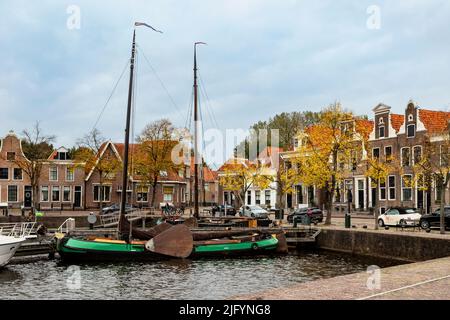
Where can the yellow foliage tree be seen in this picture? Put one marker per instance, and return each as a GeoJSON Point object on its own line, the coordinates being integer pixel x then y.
{"type": "Point", "coordinates": [239, 176]}
{"type": "Point", "coordinates": [328, 145]}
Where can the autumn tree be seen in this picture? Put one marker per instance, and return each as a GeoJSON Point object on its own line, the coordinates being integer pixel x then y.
{"type": "Point", "coordinates": [240, 175]}
{"type": "Point", "coordinates": [328, 147]}
{"type": "Point", "coordinates": [154, 154]}
{"type": "Point", "coordinates": [435, 165]}
{"type": "Point", "coordinates": [287, 178]}
{"type": "Point", "coordinates": [36, 147]}
{"type": "Point", "coordinates": [91, 154]}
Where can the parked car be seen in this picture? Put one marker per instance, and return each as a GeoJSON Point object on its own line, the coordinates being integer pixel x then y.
{"type": "Point", "coordinates": [116, 207]}
{"type": "Point", "coordinates": [433, 220]}
{"type": "Point", "coordinates": [253, 212]}
{"type": "Point", "coordinates": [315, 214]}
{"type": "Point", "coordinates": [230, 210]}
{"type": "Point", "coordinates": [399, 216]}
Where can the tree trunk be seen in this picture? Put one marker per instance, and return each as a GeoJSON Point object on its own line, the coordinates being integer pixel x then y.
{"type": "Point", "coordinates": [329, 204]}
{"type": "Point", "coordinates": [154, 186]}
{"type": "Point", "coordinates": [35, 202]}
{"type": "Point", "coordinates": [442, 210]}
{"type": "Point", "coordinates": [376, 212]}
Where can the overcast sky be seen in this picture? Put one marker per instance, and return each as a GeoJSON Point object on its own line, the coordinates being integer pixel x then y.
{"type": "Point", "coordinates": [263, 57]}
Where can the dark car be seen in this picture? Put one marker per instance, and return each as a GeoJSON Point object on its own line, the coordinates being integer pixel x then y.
{"type": "Point", "coordinates": [315, 214]}
{"type": "Point", "coordinates": [115, 208]}
{"type": "Point", "coordinates": [433, 220]}
{"type": "Point", "coordinates": [230, 210]}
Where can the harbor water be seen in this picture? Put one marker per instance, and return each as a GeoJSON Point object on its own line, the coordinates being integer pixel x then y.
{"type": "Point", "coordinates": [173, 280]}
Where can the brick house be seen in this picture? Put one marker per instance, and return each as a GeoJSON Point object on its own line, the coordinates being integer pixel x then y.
{"type": "Point", "coordinates": [60, 185]}
{"type": "Point", "coordinates": [172, 186]}
{"type": "Point", "coordinates": [403, 136]}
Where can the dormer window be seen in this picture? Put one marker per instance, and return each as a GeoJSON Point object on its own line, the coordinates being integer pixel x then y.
{"type": "Point", "coordinates": [10, 156]}
{"type": "Point", "coordinates": [61, 156]}
{"type": "Point", "coordinates": [411, 131]}
{"type": "Point", "coordinates": [381, 132]}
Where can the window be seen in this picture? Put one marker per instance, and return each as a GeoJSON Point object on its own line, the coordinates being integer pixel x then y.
{"type": "Point", "coordinates": [249, 197]}
{"type": "Point", "coordinates": [168, 194]}
{"type": "Point", "coordinates": [354, 163]}
{"type": "Point", "coordinates": [66, 194]}
{"type": "Point", "coordinates": [181, 173]}
{"type": "Point", "coordinates": [376, 153]}
{"type": "Point", "coordinates": [13, 194]}
{"type": "Point", "coordinates": [105, 196]}
{"type": "Point", "coordinates": [381, 132]}
{"type": "Point", "coordinates": [70, 174]}
{"type": "Point", "coordinates": [438, 189]}
{"type": "Point", "coordinates": [388, 154]}
{"type": "Point", "coordinates": [142, 194]}
{"type": "Point", "coordinates": [391, 185]}
{"type": "Point", "coordinates": [207, 187]}
{"type": "Point", "coordinates": [411, 131]}
{"type": "Point", "coordinates": [406, 158]}
{"type": "Point", "coordinates": [407, 187]}
{"type": "Point", "coordinates": [383, 190]}
{"type": "Point", "coordinates": [444, 156]}
{"type": "Point", "coordinates": [53, 176]}
{"type": "Point", "coordinates": [417, 152]}
{"type": "Point", "coordinates": [61, 156]}
{"type": "Point", "coordinates": [268, 197]}
{"type": "Point", "coordinates": [55, 194]}
{"type": "Point", "coordinates": [258, 197]}
{"type": "Point", "coordinates": [4, 174]}
{"type": "Point", "coordinates": [10, 156]}
{"type": "Point", "coordinates": [17, 174]}
{"type": "Point", "coordinates": [296, 143]}
{"type": "Point", "coordinates": [44, 194]}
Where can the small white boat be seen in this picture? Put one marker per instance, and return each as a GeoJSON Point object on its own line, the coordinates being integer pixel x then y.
{"type": "Point", "coordinates": [8, 247]}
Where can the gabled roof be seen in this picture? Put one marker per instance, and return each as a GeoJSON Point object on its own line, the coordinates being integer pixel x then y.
{"type": "Point", "coordinates": [434, 121]}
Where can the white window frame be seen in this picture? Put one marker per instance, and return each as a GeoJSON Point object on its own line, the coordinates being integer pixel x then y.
{"type": "Point", "coordinates": [402, 188]}
{"type": "Point", "coordinates": [379, 131]}
{"type": "Point", "coordinates": [17, 193]}
{"type": "Point", "coordinates": [379, 152]}
{"type": "Point", "coordinates": [59, 194]}
{"type": "Point", "coordinates": [50, 173]}
{"type": "Point", "coordinates": [142, 190]}
{"type": "Point", "coordinates": [401, 156]}
{"type": "Point", "coordinates": [103, 186]}
{"type": "Point", "coordinates": [70, 194]}
{"type": "Point", "coordinates": [48, 194]}
{"type": "Point", "coordinates": [390, 187]}
{"type": "Point", "coordinates": [8, 175]}
{"type": "Point", "coordinates": [392, 152]}
{"type": "Point", "coordinates": [385, 191]}
{"type": "Point", "coordinates": [67, 174]}
{"type": "Point", "coordinates": [12, 176]}
{"type": "Point", "coordinates": [407, 126]}
{"type": "Point", "coordinates": [413, 160]}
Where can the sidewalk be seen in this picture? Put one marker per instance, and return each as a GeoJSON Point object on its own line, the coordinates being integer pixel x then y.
{"type": "Point", "coordinates": [429, 280]}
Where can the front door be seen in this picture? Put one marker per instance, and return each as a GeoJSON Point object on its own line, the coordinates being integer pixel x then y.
{"type": "Point", "coordinates": [420, 200]}
{"type": "Point", "coordinates": [289, 200]}
{"type": "Point", "coordinates": [77, 197]}
{"type": "Point", "coordinates": [361, 193]}
{"type": "Point", "coordinates": [28, 197]}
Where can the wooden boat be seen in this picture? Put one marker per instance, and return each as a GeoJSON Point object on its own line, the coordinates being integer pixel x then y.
{"type": "Point", "coordinates": [232, 247]}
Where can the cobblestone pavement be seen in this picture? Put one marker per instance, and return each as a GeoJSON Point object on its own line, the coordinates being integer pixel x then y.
{"type": "Point", "coordinates": [428, 280]}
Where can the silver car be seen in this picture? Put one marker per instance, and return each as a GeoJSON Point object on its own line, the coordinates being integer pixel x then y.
{"type": "Point", "coordinates": [253, 212]}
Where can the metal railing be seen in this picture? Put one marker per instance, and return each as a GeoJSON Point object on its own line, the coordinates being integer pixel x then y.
{"type": "Point", "coordinates": [19, 230]}
{"type": "Point", "coordinates": [112, 219]}
{"type": "Point", "coordinates": [67, 226]}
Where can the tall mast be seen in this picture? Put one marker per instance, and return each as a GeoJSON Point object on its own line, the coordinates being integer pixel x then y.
{"type": "Point", "coordinates": [196, 134]}
{"type": "Point", "coordinates": [127, 135]}
{"type": "Point", "coordinates": [196, 144]}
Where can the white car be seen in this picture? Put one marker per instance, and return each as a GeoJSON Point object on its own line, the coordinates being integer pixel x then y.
{"type": "Point", "coordinates": [399, 216]}
{"type": "Point", "coordinates": [253, 212]}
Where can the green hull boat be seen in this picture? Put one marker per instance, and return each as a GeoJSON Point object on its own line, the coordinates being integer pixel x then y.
{"type": "Point", "coordinates": [262, 246]}
{"type": "Point", "coordinates": [78, 250]}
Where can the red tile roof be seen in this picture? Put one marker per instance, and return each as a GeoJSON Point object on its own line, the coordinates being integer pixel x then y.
{"type": "Point", "coordinates": [397, 121]}
{"type": "Point", "coordinates": [434, 121]}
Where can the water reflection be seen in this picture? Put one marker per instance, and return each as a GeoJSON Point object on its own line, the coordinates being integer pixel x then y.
{"type": "Point", "coordinates": [173, 279]}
